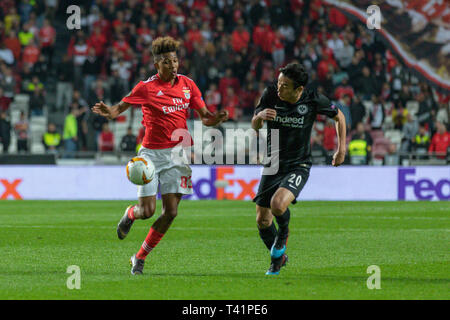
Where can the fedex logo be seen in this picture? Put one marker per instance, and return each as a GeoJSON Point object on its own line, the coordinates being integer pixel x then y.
{"type": "Point", "coordinates": [424, 189]}
{"type": "Point", "coordinates": [205, 188]}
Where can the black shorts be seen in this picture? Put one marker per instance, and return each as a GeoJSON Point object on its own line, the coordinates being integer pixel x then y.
{"type": "Point", "coordinates": [293, 180]}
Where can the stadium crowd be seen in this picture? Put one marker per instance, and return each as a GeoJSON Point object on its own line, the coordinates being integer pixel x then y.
{"type": "Point", "coordinates": [232, 49]}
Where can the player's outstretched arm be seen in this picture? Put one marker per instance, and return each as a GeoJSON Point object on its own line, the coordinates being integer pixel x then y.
{"type": "Point", "coordinates": [110, 113]}
{"type": "Point", "coordinates": [266, 114]}
{"type": "Point", "coordinates": [339, 156]}
{"type": "Point", "coordinates": [210, 119]}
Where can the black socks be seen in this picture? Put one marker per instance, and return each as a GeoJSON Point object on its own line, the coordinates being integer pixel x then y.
{"type": "Point", "coordinates": [283, 220]}
{"type": "Point", "coordinates": [268, 235]}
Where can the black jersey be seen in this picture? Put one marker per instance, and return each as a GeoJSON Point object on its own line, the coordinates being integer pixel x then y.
{"type": "Point", "coordinates": [295, 123]}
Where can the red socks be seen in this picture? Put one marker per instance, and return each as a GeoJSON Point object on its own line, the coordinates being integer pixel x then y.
{"type": "Point", "coordinates": [131, 213]}
{"type": "Point", "coordinates": [152, 239]}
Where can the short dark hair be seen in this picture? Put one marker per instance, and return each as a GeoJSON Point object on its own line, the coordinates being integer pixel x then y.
{"type": "Point", "coordinates": [296, 72]}
{"type": "Point", "coordinates": [164, 45]}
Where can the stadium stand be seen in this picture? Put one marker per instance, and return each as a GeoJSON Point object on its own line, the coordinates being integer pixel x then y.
{"type": "Point", "coordinates": [233, 44]}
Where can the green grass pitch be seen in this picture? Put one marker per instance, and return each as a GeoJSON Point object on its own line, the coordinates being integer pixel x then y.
{"type": "Point", "coordinates": [213, 251]}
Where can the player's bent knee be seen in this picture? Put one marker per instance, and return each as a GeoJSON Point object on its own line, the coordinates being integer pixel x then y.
{"type": "Point", "coordinates": [149, 211]}
{"type": "Point", "coordinates": [263, 222]}
{"type": "Point", "coordinates": [278, 206]}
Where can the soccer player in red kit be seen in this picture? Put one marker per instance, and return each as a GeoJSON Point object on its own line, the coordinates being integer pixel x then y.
{"type": "Point", "coordinates": [165, 99]}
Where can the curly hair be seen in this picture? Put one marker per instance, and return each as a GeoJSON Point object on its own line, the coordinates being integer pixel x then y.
{"type": "Point", "coordinates": [163, 45]}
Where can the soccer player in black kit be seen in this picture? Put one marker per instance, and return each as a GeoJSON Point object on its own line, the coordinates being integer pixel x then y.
{"type": "Point", "coordinates": [291, 108]}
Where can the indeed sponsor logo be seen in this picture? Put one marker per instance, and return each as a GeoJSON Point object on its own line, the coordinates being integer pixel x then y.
{"type": "Point", "coordinates": [424, 189]}
{"type": "Point", "coordinates": [290, 121]}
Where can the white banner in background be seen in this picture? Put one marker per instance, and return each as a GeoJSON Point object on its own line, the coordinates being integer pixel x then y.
{"type": "Point", "coordinates": [325, 183]}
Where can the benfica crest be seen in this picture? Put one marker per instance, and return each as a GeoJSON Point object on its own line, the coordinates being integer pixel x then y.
{"type": "Point", "coordinates": [187, 93]}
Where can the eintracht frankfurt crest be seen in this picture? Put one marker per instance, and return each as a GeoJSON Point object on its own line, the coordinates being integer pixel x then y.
{"type": "Point", "coordinates": [302, 109]}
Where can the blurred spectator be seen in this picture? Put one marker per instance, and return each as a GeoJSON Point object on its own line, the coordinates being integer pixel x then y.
{"type": "Point", "coordinates": [40, 68]}
{"type": "Point", "coordinates": [4, 101]}
{"type": "Point", "coordinates": [6, 54]}
{"type": "Point", "coordinates": [230, 102]}
{"type": "Point", "coordinates": [51, 139]}
{"type": "Point", "coordinates": [360, 146]}
{"type": "Point", "coordinates": [123, 70]}
{"type": "Point", "coordinates": [343, 89]}
{"type": "Point", "coordinates": [376, 113]}
{"type": "Point", "coordinates": [116, 87]}
{"type": "Point", "coordinates": [278, 51]}
{"type": "Point", "coordinates": [391, 158]}
{"type": "Point", "coordinates": [193, 36]}
{"type": "Point", "coordinates": [51, 6]}
{"type": "Point", "coordinates": [213, 98]}
{"type": "Point", "coordinates": [5, 131]}
{"type": "Point", "coordinates": [70, 134]}
{"type": "Point", "coordinates": [318, 152]}
{"type": "Point", "coordinates": [30, 54]}
{"type": "Point", "coordinates": [410, 130]}
{"type": "Point", "coordinates": [421, 141]}
{"type": "Point", "coordinates": [8, 83]}
{"type": "Point", "coordinates": [339, 77]}
{"type": "Point", "coordinates": [366, 84]}
{"type": "Point", "coordinates": [440, 141]}
{"type": "Point", "coordinates": [329, 134]}
{"type": "Point", "coordinates": [344, 106]}
{"type": "Point", "coordinates": [326, 66]}
{"type": "Point", "coordinates": [12, 42]}
{"type": "Point", "coordinates": [335, 43]}
{"type": "Point", "coordinates": [106, 139]}
{"type": "Point", "coordinates": [37, 102]}
{"type": "Point", "coordinates": [129, 141]}
{"type": "Point", "coordinates": [91, 70]}
{"type": "Point", "coordinates": [399, 115]}
{"type": "Point", "coordinates": [64, 86]}
{"type": "Point", "coordinates": [98, 92]}
{"type": "Point", "coordinates": [47, 37]}
{"type": "Point", "coordinates": [248, 99]}
{"type": "Point", "coordinates": [357, 111]}
{"type": "Point", "coordinates": [240, 37]}
{"type": "Point", "coordinates": [442, 114]}
{"type": "Point", "coordinates": [25, 35]}
{"type": "Point", "coordinates": [21, 129]}
{"type": "Point", "coordinates": [34, 85]}
{"type": "Point", "coordinates": [12, 19]}
{"type": "Point", "coordinates": [80, 105]}
{"type": "Point", "coordinates": [80, 52]}
{"type": "Point", "coordinates": [97, 40]}
{"type": "Point", "coordinates": [228, 80]}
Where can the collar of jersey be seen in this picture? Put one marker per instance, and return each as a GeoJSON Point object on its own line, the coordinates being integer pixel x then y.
{"type": "Point", "coordinates": [167, 83]}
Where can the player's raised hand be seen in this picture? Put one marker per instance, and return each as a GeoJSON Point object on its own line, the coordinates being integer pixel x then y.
{"type": "Point", "coordinates": [102, 109]}
{"type": "Point", "coordinates": [268, 114]}
{"type": "Point", "coordinates": [338, 158]}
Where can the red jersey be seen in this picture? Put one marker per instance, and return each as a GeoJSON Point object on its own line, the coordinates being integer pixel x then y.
{"type": "Point", "coordinates": [165, 108]}
{"type": "Point", "coordinates": [440, 143]}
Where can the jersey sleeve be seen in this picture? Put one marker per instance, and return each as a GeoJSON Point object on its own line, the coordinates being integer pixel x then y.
{"type": "Point", "coordinates": [139, 94]}
{"type": "Point", "coordinates": [325, 106]}
{"type": "Point", "coordinates": [197, 101]}
{"type": "Point", "coordinates": [264, 101]}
